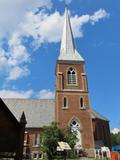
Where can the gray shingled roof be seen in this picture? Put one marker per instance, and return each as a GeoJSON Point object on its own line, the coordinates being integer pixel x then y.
{"type": "Point", "coordinates": [96, 115]}
{"type": "Point", "coordinates": [38, 113]}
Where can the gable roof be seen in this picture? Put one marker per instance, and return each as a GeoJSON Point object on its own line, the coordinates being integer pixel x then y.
{"type": "Point", "coordinates": [38, 113]}
{"type": "Point", "coordinates": [8, 112]}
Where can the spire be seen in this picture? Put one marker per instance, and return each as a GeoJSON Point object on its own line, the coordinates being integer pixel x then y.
{"type": "Point", "coordinates": [68, 51]}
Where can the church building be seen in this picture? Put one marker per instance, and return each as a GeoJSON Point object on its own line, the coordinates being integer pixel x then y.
{"type": "Point", "coordinates": [71, 106]}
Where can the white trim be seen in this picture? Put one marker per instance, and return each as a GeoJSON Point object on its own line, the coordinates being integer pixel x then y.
{"type": "Point", "coordinates": [60, 73]}
{"type": "Point", "coordinates": [38, 153]}
{"type": "Point", "coordinates": [74, 90]}
{"type": "Point", "coordinates": [84, 82]}
{"type": "Point", "coordinates": [36, 139]}
{"type": "Point", "coordinates": [83, 74]}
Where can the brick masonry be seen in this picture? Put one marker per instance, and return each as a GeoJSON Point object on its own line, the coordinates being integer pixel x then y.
{"type": "Point", "coordinates": [74, 93]}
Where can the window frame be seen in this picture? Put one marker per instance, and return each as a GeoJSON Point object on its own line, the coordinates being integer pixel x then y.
{"type": "Point", "coordinates": [36, 140]}
{"type": "Point", "coordinates": [71, 78]}
{"type": "Point", "coordinates": [63, 106]}
{"type": "Point", "coordinates": [82, 107]}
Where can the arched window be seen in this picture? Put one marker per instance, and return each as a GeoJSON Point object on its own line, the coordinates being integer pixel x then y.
{"type": "Point", "coordinates": [65, 102]}
{"type": "Point", "coordinates": [82, 103]}
{"type": "Point", "coordinates": [71, 76]}
{"type": "Point", "coordinates": [75, 125]}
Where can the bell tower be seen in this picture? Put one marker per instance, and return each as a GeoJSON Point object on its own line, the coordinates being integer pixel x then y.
{"type": "Point", "coordinates": [72, 106]}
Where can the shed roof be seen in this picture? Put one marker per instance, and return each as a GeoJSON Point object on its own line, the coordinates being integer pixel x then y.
{"type": "Point", "coordinates": [96, 115]}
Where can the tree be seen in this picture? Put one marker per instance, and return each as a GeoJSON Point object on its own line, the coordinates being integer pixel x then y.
{"type": "Point", "coordinates": [70, 137]}
{"type": "Point", "coordinates": [115, 139]}
{"type": "Point", "coordinates": [52, 135]}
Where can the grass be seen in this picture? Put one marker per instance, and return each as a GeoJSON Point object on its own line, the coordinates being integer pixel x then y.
{"type": "Point", "coordinates": [82, 158]}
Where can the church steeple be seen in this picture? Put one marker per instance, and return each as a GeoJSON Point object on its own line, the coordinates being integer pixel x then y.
{"type": "Point", "coordinates": [68, 51]}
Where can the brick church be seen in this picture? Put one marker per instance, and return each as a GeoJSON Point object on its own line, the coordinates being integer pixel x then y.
{"type": "Point", "coordinates": [71, 106]}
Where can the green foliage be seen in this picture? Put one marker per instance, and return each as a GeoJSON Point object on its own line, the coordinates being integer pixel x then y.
{"type": "Point", "coordinates": [115, 139]}
{"type": "Point", "coordinates": [70, 137]}
{"type": "Point", "coordinates": [52, 135]}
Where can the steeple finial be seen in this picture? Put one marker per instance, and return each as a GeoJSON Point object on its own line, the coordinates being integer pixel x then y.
{"type": "Point", "coordinates": [68, 51]}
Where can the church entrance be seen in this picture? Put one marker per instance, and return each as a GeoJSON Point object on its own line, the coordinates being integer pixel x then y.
{"type": "Point", "coordinates": [75, 126]}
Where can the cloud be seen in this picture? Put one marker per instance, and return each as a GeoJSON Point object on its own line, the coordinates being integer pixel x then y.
{"type": "Point", "coordinates": [17, 72]}
{"type": "Point", "coordinates": [45, 94]}
{"type": "Point", "coordinates": [115, 131]}
{"type": "Point", "coordinates": [12, 12]}
{"type": "Point", "coordinates": [66, 1]}
{"type": "Point", "coordinates": [15, 94]}
{"type": "Point", "coordinates": [14, 61]}
{"type": "Point", "coordinates": [14, 58]}
{"type": "Point", "coordinates": [100, 14]}
{"type": "Point", "coordinates": [36, 25]}
{"type": "Point", "coordinates": [42, 94]}
{"type": "Point", "coordinates": [42, 27]}
{"type": "Point", "coordinates": [79, 21]}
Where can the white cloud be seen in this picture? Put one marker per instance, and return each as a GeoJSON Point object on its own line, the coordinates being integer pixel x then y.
{"type": "Point", "coordinates": [100, 14]}
{"type": "Point", "coordinates": [13, 11]}
{"type": "Point", "coordinates": [17, 72]}
{"type": "Point", "coordinates": [42, 27]}
{"type": "Point", "coordinates": [66, 1]}
{"type": "Point", "coordinates": [45, 94]}
{"type": "Point", "coordinates": [79, 21]}
{"type": "Point", "coordinates": [42, 94]}
{"type": "Point", "coordinates": [15, 94]}
{"type": "Point", "coordinates": [13, 61]}
{"type": "Point", "coordinates": [3, 59]}
{"type": "Point", "coordinates": [115, 131]}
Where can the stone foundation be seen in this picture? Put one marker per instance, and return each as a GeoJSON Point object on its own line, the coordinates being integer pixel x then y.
{"type": "Point", "coordinates": [90, 152]}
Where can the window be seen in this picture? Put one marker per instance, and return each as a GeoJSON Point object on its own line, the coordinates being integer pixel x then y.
{"type": "Point", "coordinates": [40, 156]}
{"type": "Point", "coordinates": [71, 76]}
{"type": "Point", "coordinates": [82, 103]}
{"type": "Point", "coordinates": [75, 125]}
{"type": "Point", "coordinates": [37, 139]}
{"type": "Point", "coordinates": [35, 155]}
{"type": "Point", "coordinates": [65, 102]}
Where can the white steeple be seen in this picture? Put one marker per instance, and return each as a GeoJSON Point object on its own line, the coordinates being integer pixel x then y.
{"type": "Point", "coordinates": [68, 51]}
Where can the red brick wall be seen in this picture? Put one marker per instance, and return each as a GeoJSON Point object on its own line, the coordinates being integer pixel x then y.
{"type": "Point", "coordinates": [29, 145]}
{"type": "Point", "coordinates": [63, 68]}
{"type": "Point", "coordinates": [64, 116]}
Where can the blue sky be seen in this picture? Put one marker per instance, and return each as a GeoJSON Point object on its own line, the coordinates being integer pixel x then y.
{"type": "Point", "coordinates": [30, 33]}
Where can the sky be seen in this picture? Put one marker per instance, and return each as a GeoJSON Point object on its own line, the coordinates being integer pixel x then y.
{"type": "Point", "coordinates": [30, 34]}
